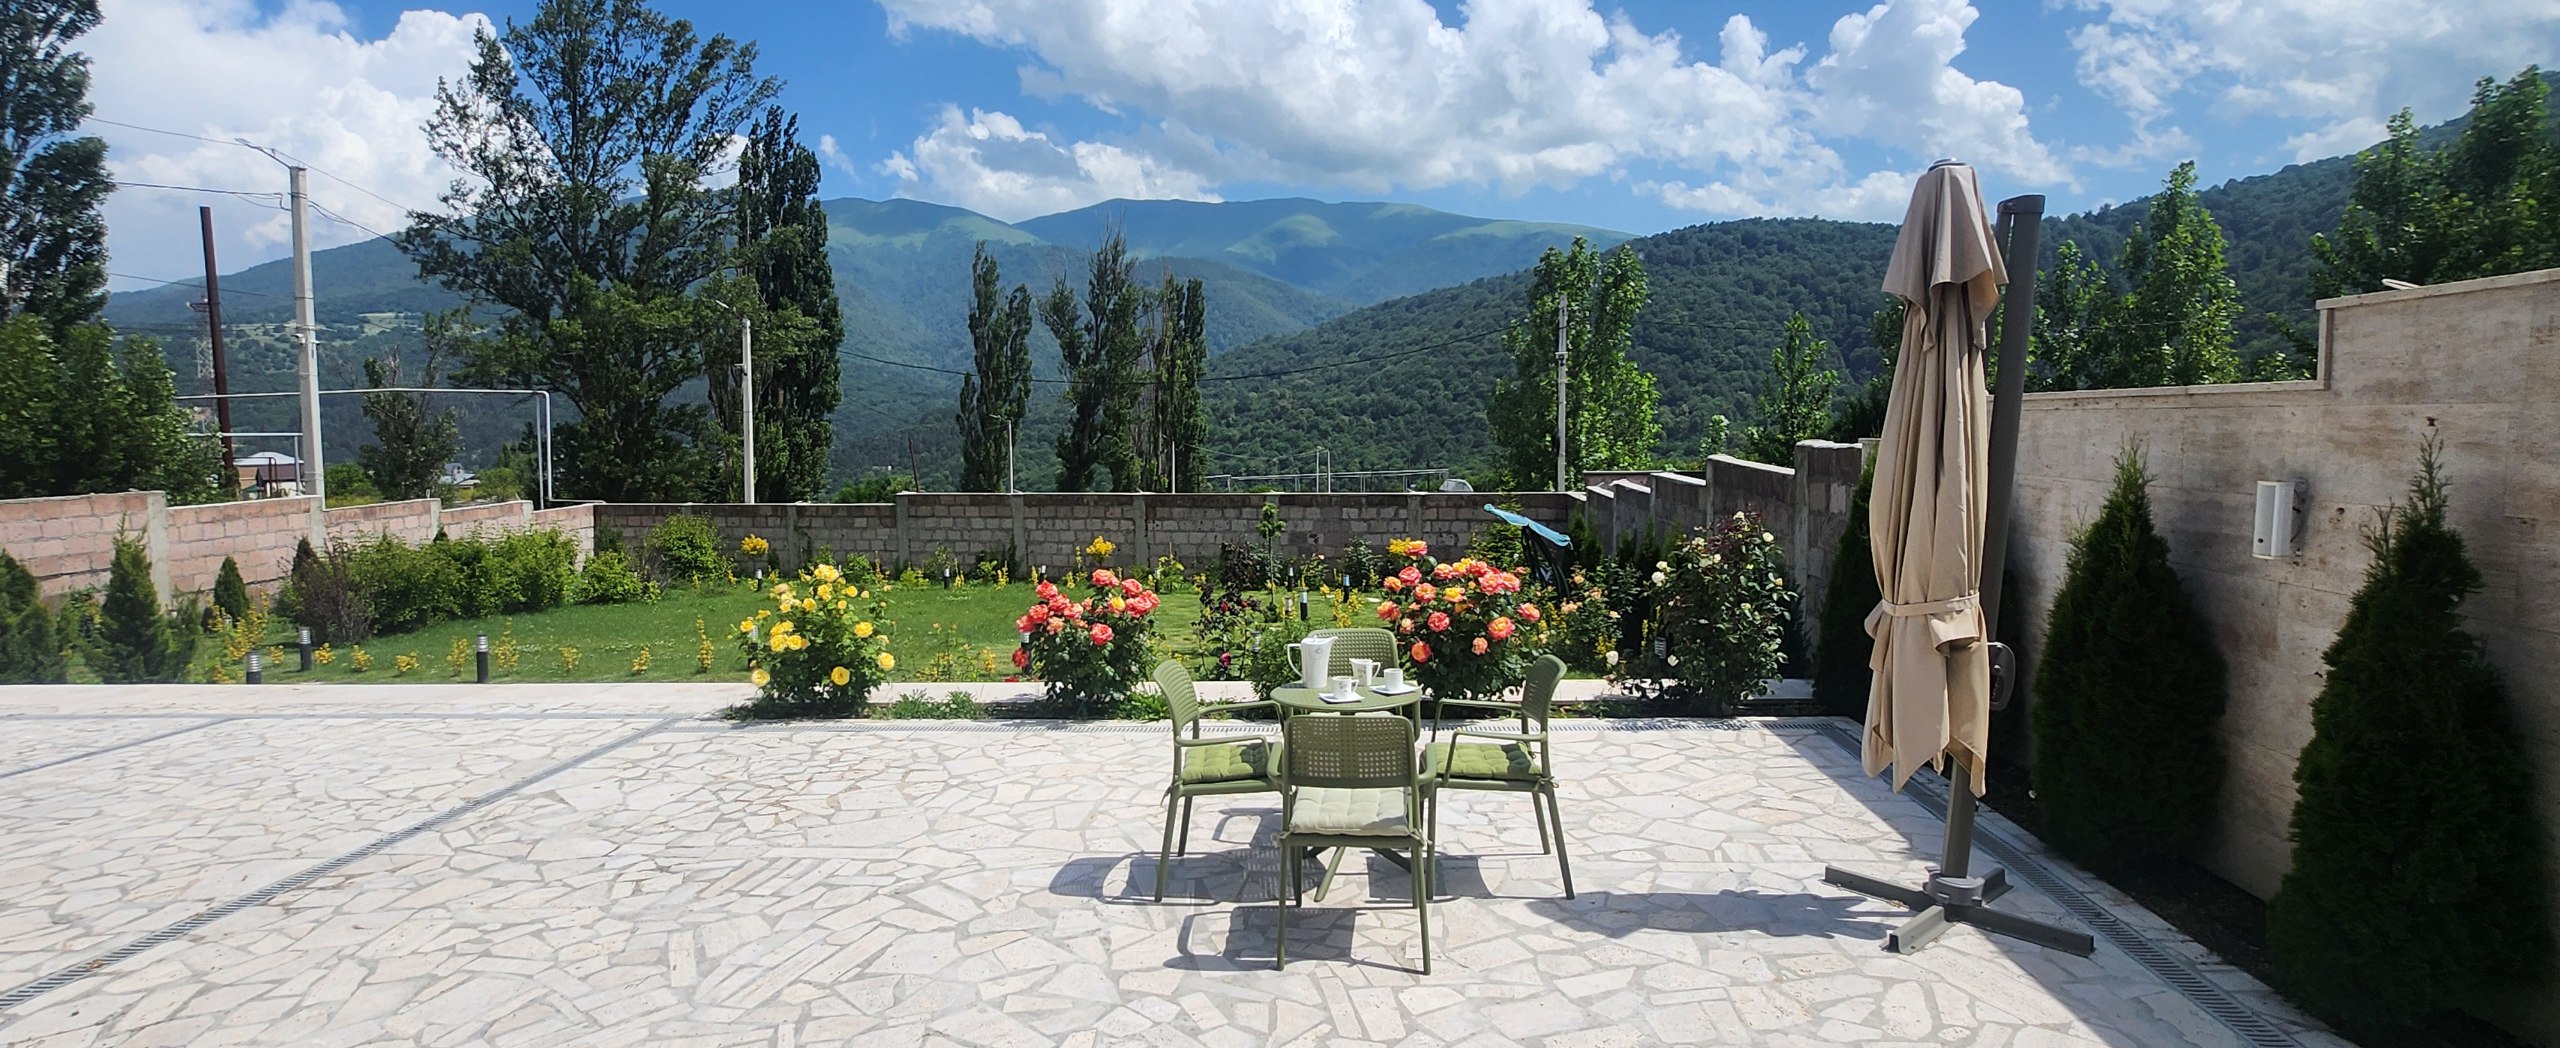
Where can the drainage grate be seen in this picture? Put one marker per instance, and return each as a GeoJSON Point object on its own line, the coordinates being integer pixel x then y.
{"type": "Point", "coordinates": [126, 745]}
{"type": "Point", "coordinates": [2208, 997]}
{"type": "Point", "coordinates": [128, 951]}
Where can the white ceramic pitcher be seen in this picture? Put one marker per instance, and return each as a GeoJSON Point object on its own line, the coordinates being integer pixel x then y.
{"type": "Point", "coordinates": [1313, 659]}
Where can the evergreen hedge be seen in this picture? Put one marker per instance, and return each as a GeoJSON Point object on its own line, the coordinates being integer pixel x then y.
{"type": "Point", "coordinates": [2127, 764]}
{"type": "Point", "coordinates": [31, 648]}
{"type": "Point", "coordinates": [2418, 865]}
{"type": "Point", "coordinates": [231, 592]}
{"type": "Point", "coordinates": [1841, 678]}
{"type": "Point", "coordinates": [137, 642]}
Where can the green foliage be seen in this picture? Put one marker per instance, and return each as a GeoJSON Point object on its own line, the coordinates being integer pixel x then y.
{"type": "Point", "coordinates": [2419, 877]}
{"type": "Point", "coordinates": [411, 444]}
{"type": "Point", "coordinates": [409, 586]}
{"type": "Point", "coordinates": [137, 641]}
{"type": "Point", "coordinates": [2176, 327]}
{"type": "Point", "coordinates": [1091, 652]}
{"type": "Point", "coordinates": [78, 417]}
{"type": "Point", "coordinates": [1795, 404]}
{"type": "Point", "coordinates": [1720, 604]}
{"type": "Point", "coordinates": [687, 550]}
{"type": "Point", "coordinates": [1499, 543]}
{"type": "Point", "coordinates": [917, 705]}
{"type": "Point", "coordinates": [818, 652]}
{"type": "Point", "coordinates": [1610, 402]}
{"type": "Point", "coordinates": [994, 397]}
{"type": "Point", "coordinates": [1841, 679]}
{"type": "Point", "coordinates": [2128, 761]}
{"type": "Point", "coordinates": [590, 226]}
{"type": "Point", "coordinates": [230, 591]}
{"type": "Point", "coordinates": [31, 645]}
{"type": "Point", "coordinates": [1099, 346]}
{"type": "Point", "coordinates": [608, 578]}
{"type": "Point", "coordinates": [2074, 303]}
{"type": "Point", "coordinates": [878, 487]}
{"type": "Point", "coordinates": [53, 240]}
{"type": "Point", "coordinates": [785, 256]}
{"type": "Point", "coordinates": [1177, 423]}
{"type": "Point", "coordinates": [327, 597]}
{"type": "Point", "coordinates": [1861, 414]}
{"type": "Point", "coordinates": [2479, 205]}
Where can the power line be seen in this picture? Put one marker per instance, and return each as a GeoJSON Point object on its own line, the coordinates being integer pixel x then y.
{"type": "Point", "coordinates": [334, 216]}
{"type": "Point", "coordinates": [160, 131]}
{"type": "Point", "coordinates": [186, 283]}
{"type": "Point", "coordinates": [274, 200]}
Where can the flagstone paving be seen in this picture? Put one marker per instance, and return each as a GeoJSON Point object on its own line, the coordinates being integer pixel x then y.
{"type": "Point", "coordinates": [608, 866]}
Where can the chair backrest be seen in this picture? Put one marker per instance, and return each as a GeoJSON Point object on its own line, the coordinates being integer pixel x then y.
{"type": "Point", "coordinates": [1358, 752]}
{"type": "Point", "coordinates": [1357, 642]}
{"type": "Point", "coordinates": [1539, 690]}
{"type": "Point", "coordinates": [1175, 682]}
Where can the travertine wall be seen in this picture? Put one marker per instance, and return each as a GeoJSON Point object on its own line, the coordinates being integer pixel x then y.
{"type": "Point", "coordinates": [1806, 507]}
{"type": "Point", "coordinates": [2476, 363]}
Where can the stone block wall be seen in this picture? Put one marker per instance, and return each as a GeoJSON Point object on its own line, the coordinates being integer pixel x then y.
{"type": "Point", "coordinates": [413, 521]}
{"type": "Point", "coordinates": [69, 542]}
{"type": "Point", "coordinates": [259, 535]}
{"type": "Point", "coordinates": [491, 519]}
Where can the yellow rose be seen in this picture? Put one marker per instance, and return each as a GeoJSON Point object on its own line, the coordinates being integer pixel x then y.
{"type": "Point", "coordinates": [865, 594]}
{"type": "Point", "coordinates": [759, 677]}
{"type": "Point", "coordinates": [826, 592]}
{"type": "Point", "coordinates": [1118, 604]}
{"type": "Point", "coordinates": [840, 676]}
{"type": "Point", "coordinates": [828, 573]}
{"type": "Point", "coordinates": [862, 629]}
{"type": "Point", "coordinates": [763, 614]}
{"type": "Point", "coordinates": [799, 643]}
{"type": "Point", "coordinates": [782, 627]}
{"type": "Point", "coordinates": [746, 625]}
{"type": "Point", "coordinates": [782, 592]}
{"type": "Point", "coordinates": [808, 605]}
{"type": "Point", "coordinates": [840, 606]}
{"type": "Point", "coordinates": [887, 662]}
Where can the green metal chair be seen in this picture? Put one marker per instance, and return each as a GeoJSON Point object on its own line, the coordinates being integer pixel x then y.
{"type": "Point", "coordinates": [1357, 642]}
{"type": "Point", "coordinates": [1350, 782]}
{"type": "Point", "coordinates": [1508, 762]}
{"type": "Point", "coordinates": [1206, 767]}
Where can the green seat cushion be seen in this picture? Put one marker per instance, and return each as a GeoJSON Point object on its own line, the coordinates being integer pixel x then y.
{"type": "Point", "coordinates": [1506, 761]}
{"type": "Point", "coordinates": [1353, 812]}
{"type": "Point", "coordinates": [1238, 761]}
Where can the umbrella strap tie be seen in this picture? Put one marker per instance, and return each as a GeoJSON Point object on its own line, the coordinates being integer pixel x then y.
{"type": "Point", "coordinates": [1929, 607]}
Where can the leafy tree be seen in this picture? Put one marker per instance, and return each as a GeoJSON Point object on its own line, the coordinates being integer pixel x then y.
{"type": "Point", "coordinates": [2073, 306]}
{"type": "Point", "coordinates": [2478, 206]}
{"type": "Point", "coordinates": [2175, 328]}
{"type": "Point", "coordinates": [411, 444]}
{"type": "Point", "coordinates": [584, 138]}
{"type": "Point", "coordinates": [53, 242]}
{"type": "Point", "coordinates": [74, 418]}
{"type": "Point", "coordinates": [1178, 352]}
{"type": "Point", "coordinates": [137, 642]}
{"type": "Point", "coordinates": [2419, 868]}
{"type": "Point", "coordinates": [31, 649]}
{"type": "Point", "coordinates": [1841, 679]}
{"type": "Point", "coordinates": [1609, 402]}
{"type": "Point", "coordinates": [1796, 403]}
{"type": "Point", "coordinates": [230, 591]}
{"type": "Point", "coordinates": [994, 398]}
{"type": "Point", "coordinates": [2127, 762]}
{"type": "Point", "coordinates": [785, 254]}
{"type": "Point", "coordinates": [1100, 345]}
{"type": "Point", "coordinates": [1861, 415]}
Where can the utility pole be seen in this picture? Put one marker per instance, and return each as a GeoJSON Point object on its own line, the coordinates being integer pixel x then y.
{"type": "Point", "coordinates": [221, 368]}
{"type": "Point", "coordinates": [1561, 304]}
{"type": "Point", "coordinates": [313, 472]}
{"type": "Point", "coordinates": [747, 400]}
{"type": "Point", "coordinates": [1009, 448]}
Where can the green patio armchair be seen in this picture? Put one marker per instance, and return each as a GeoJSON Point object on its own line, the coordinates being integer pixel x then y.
{"type": "Point", "coordinates": [1357, 642]}
{"type": "Point", "coordinates": [1351, 782]}
{"type": "Point", "coordinates": [1505, 761]}
{"type": "Point", "coordinates": [1206, 767]}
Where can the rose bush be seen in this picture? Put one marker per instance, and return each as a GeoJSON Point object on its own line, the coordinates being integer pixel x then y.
{"type": "Point", "coordinates": [1088, 653]}
{"type": "Point", "coordinates": [1720, 608]}
{"type": "Point", "coordinates": [819, 650]}
{"type": "Point", "coordinates": [1464, 627]}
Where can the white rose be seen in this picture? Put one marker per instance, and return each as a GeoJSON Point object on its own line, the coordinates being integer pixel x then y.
{"type": "Point", "coordinates": [1766, 537]}
{"type": "Point", "coordinates": [1672, 659]}
{"type": "Point", "coordinates": [1660, 578]}
{"type": "Point", "coordinates": [1612, 657]}
{"type": "Point", "coordinates": [1661, 565]}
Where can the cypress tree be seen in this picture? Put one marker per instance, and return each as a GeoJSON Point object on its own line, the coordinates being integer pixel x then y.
{"type": "Point", "coordinates": [30, 646]}
{"type": "Point", "coordinates": [2127, 765]}
{"type": "Point", "coordinates": [1841, 678]}
{"type": "Point", "coordinates": [2418, 865]}
{"type": "Point", "coordinates": [231, 592]}
{"type": "Point", "coordinates": [137, 643]}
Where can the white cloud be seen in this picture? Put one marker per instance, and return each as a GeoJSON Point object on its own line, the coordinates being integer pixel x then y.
{"type": "Point", "coordinates": [832, 154]}
{"type": "Point", "coordinates": [2341, 65]}
{"type": "Point", "coordinates": [1517, 94]}
{"type": "Point", "coordinates": [988, 162]}
{"type": "Point", "coordinates": [297, 80]}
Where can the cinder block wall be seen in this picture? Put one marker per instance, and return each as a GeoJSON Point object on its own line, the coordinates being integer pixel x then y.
{"type": "Point", "coordinates": [2476, 363]}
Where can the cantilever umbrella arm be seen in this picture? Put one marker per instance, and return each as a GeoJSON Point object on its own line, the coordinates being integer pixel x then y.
{"type": "Point", "coordinates": [1952, 894]}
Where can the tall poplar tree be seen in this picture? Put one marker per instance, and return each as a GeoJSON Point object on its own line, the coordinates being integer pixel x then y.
{"type": "Point", "coordinates": [1100, 344]}
{"type": "Point", "coordinates": [53, 242]}
{"type": "Point", "coordinates": [1609, 401]}
{"type": "Point", "coordinates": [783, 249]}
{"type": "Point", "coordinates": [1177, 355]}
{"type": "Point", "coordinates": [994, 397]}
{"type": "Point", "coordinates": [2175, 328]}
{"type": "Point", "coordinates": [1796, 405]}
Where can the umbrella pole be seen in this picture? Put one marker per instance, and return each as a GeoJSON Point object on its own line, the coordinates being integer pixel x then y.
{"type": "Point", "coordinates": [1951, 895]}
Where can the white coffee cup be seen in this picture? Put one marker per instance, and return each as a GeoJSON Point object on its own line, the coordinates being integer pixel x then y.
{"type": "Point", "coordinates": [1364, 672]}
{"type": "Point", "coordinates": [1343, 687]}
{"type": "Point", "coordinates": [1395, 678]}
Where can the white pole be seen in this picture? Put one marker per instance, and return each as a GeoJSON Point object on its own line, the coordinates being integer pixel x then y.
{"type": "Point", "coordinates": [1009, 448]}
{"type": "Point", "coordinates": [314, 473]}
{"type": "Point", "coordinates": [1560, 387]}
{"type": "Point", "coordinates": [747, 400]}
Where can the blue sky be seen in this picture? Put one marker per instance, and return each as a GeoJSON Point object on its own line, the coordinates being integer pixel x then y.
{"type": "Point", "coordinates": [1638, 116]}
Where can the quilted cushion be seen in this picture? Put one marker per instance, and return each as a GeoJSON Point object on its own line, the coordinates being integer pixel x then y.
{"type": "Point", "coordinates": [1236, 761]}
{"type": "Point", "coordinates": [1508, 761]}
{"type": "Point", "coordinates": [1321, 809]}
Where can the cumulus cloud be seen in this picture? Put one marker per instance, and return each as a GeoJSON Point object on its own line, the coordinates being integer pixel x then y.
{"type": "Point", "coordinates": [988, 162]}
{"type": "Point", "coordinates": [1518, 94]}
{"type": "Point", "coordinates": [832, 154]}
{"type": "Point", "coordinates": [2340, 64]}
{"type": "Point", "coordinates": [298, 80]}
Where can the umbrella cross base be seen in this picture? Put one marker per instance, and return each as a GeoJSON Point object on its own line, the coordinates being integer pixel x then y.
{"type": "Point", "coordinates": [1944, 900]}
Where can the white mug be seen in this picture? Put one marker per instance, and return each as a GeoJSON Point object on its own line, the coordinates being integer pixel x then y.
{"type": "Point", "coordinates": [1395, 678]}
{"type": "Point", "coordinates": [1343, 687]}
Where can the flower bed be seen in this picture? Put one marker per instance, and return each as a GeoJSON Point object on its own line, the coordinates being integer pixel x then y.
{"type": "Point", "coordinates": [819, 650]}
{"type": "Point", "coordinates": [1089, 654]}
{"type": "Point", "coordinates": [1463, 627]}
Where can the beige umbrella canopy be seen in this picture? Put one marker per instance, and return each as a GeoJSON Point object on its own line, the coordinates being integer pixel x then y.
{"type": "Point", "coordinates": [1932, 691]}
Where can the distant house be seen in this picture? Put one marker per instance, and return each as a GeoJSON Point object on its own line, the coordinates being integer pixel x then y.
{"type": "Point", "coordinates": [270, 473]}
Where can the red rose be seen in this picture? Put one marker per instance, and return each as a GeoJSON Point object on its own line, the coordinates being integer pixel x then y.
{"type": "Point", "coordinates": [1101, 634]}
{"type": "Point", "coordinates": [1045, 590]}
{"type": "Point", "coordinates": [1410, 575]}
{"type": "Point", "coordinates": [1439, 621]}
{"type": "Point", "coordinates": [1131, 587]}
{"type": "Point", "coordinates": [1039, 614]}
{"type": "Point", "coordinates": [1421, 652]}
{"type": "Point", "coordinates": [1022, 658]}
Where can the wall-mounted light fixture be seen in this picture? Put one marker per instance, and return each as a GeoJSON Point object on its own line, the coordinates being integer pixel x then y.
{"type": "Point", "coordinates": [2279, 519]}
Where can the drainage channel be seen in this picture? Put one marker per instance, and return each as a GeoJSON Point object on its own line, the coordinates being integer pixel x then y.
{"type": "Point", "coordinates": [125, 745]}
{"type": "Point", "coordinates": [2208, 997]}
{"type": "Point", "coordinates": [188, 925]}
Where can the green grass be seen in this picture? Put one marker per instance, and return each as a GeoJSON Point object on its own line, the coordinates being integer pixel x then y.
{"type": "Point", "coordinates": [609, 638]}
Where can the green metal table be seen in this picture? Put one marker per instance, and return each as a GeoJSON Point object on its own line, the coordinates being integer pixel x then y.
{"type": "Point", "coordinates": [1296, 700]}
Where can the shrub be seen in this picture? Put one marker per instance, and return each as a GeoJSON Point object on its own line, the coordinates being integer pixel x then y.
{"type": "Point", "coordinates": [2418, 865]}
{"type": "Point", "coordinates": [360, 659]}
{"type": "Point", "coordinates": [288, 601]}
{"type": "Point", "coordinates": [1090, 653]}
{"type": "Point", "coordinates": [2127, 764]}
{"type": "Point", "coordinates": [230, 591]}
{"type": "Point", "coordinates": [917, 705]}
{"type": "Point", "coordinates": [327, 598]}
{"type": "Point", "coordinates": [137, 641]}
{"type": "Point", "coordinates": [1360, 564]}
{"type": "Point", "coordinates": [532, 571]}
{"type": "Point", "coordinates": [1720, 606]}
{"type": "Point", "coordinates": [31, 645]}
{"type": "Point", "coordinates": [1841, 678]}
{"type": "Point", "coordinates": [401, 665]}
{"type": "Point", "coordinates": [1499, 544]}
{"type": "Point", "coordinates": [1465, 629]}
{"type": "Point", "coordinates": [687, 550]}
{"type": "Point", "coordinates": [1582, 630]}
{"type": "Point", "coordinates": [410, 587]}
{"type": "Point", "coordinates": [1227, 625]}
{"type": "Point", "coordinates": [818, 651]}
{"type": "Point", "coordinates": [608, 579]}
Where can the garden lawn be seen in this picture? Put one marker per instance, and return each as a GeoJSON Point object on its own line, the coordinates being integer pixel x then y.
{"type": "Point", "coordinates": [936, 634]}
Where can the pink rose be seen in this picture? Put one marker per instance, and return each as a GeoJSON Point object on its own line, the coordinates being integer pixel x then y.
{"type": "Point", "coordinates": [1439, 622]}
{"type": "Point", "coordinates": [1101, 634]}
{"type": "Point", "coordinates": [1421, 652]}
{"type": "Point", "coordinates": [1528, 613]}
{"type": "Point", "coordinates": [1480, 646]}
{"type": "Point", "coordinates": [1500, 628]}
{"type": "Point", "coordinates": [1410, 575]}
{"type": "Point", "coordinates": [1105, 577]}
{"type": "Point", "coordinates": [1388, 610]}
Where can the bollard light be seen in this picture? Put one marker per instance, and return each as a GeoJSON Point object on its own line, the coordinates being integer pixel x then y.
{"type": "Point", "coordinates": [946, 578]}
{"type": "Point", "coordinates": [305, 646]}
{"type": "Point", "coordinates": [257, 667]}
{"type": "Point", "coordinates": [481, 656]}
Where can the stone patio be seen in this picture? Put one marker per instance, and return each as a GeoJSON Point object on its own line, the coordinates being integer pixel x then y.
{"type": "Point", "coordinates": [608, 865]}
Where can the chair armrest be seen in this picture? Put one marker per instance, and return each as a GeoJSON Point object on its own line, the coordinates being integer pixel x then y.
{"type": "Point", "coordinates": [1218, 740]}
{"type": "Point", "coordinates": [1498, 735]}
{"type": "Point", "coordinates": [1482, 704]}
{"type": "Point", "coordinates": [1231, 707]}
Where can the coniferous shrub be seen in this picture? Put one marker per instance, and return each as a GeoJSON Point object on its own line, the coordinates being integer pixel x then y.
{"type": "Point", "coordinates": [2127, 762]}
{"type": "Point", "coordinates": [2418, 865]}
{"type": "Point", "coordinates": [137, 641]}
{"type": "Point", "coordinates": [31, 648]}
{"type": "Point", "coordinates": [288, 602]}
{"type": "Point", "coordinates": [230, 591]}
{"type": "Point", "coordinates": [1841, 678]}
